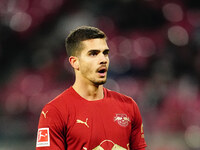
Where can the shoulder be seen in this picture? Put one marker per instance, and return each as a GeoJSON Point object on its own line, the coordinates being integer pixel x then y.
{"type": "Point", "coordinates": [120, 97]}
{"type": "Point", "coordinates": [58, 107]}
{"type": "Point", "coordinates": [125, 102]}
{"type": "Point", "coordinates": [62, 98]}
{"type": "Point", "coordinates": [60, 103]}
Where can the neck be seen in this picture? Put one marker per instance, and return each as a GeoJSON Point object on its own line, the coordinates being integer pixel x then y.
{"type": "Point", "coordinates": [90, 92]}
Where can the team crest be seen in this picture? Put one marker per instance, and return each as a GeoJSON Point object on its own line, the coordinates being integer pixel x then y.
{"type": "Point", "coordinates": [122, 120]}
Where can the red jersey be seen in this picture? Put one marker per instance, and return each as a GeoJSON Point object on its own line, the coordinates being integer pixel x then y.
{"type": "Point", "coordinates": [70, 122]}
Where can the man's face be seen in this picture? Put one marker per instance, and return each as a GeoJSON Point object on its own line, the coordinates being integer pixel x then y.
{"type": "Point", "coordinates": [94, 61]}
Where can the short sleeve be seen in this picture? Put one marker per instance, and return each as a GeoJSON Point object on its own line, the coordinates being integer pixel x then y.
{"type": "Point", "coordinates": [51, 134]}
{"type": "Point", "coordinates": [137, 140]}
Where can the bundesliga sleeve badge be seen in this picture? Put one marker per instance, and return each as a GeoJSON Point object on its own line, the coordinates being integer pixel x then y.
{"type": "Point", "coordinates": [43, 137]}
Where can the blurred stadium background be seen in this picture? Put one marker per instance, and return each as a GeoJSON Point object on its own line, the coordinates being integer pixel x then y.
{"type": "Point", "coordinates": [155, 59]}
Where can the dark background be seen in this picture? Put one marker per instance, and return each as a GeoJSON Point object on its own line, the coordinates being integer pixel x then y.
{"type": "Point", "coordinates": [155, 59]}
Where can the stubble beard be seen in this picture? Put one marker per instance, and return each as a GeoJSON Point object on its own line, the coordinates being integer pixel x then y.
{"type": "Point", "coordinates": [94, 80]}
{"type": "Point", "coordinates": [100, 82]}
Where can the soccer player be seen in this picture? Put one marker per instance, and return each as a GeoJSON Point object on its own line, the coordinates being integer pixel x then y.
{"type": "Point", "coordinates": [87, 116]}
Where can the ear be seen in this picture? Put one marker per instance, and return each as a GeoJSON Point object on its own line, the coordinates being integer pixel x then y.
{"type": "Point", "coordinates": [74, 62]}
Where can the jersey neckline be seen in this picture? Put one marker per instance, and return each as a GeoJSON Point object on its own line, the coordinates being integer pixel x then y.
{"type": "Point", "coordinates": [92, 101]}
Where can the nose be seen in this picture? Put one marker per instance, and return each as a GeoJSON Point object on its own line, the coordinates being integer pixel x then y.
{"type": "Point", "coordinates": [103, 59]}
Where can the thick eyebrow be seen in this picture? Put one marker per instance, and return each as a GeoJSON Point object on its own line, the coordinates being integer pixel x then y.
{"type": "Point", "coordinates": [106, 51]}
{"type": "Point", "coordinates": [93, 51]}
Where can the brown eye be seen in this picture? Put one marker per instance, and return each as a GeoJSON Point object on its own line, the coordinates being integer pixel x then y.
{"type": "Point", "coordinates": [93, 52]}
{"type": "Point", "coordinates": [106, 52]}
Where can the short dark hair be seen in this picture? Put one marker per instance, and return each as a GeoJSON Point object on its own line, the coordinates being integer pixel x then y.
{"type": "Point", "coordinates": [74, 39]}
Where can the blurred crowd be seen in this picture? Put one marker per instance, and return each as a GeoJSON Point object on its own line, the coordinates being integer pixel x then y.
{"type": "Point", "coordinates": [155, 59]}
